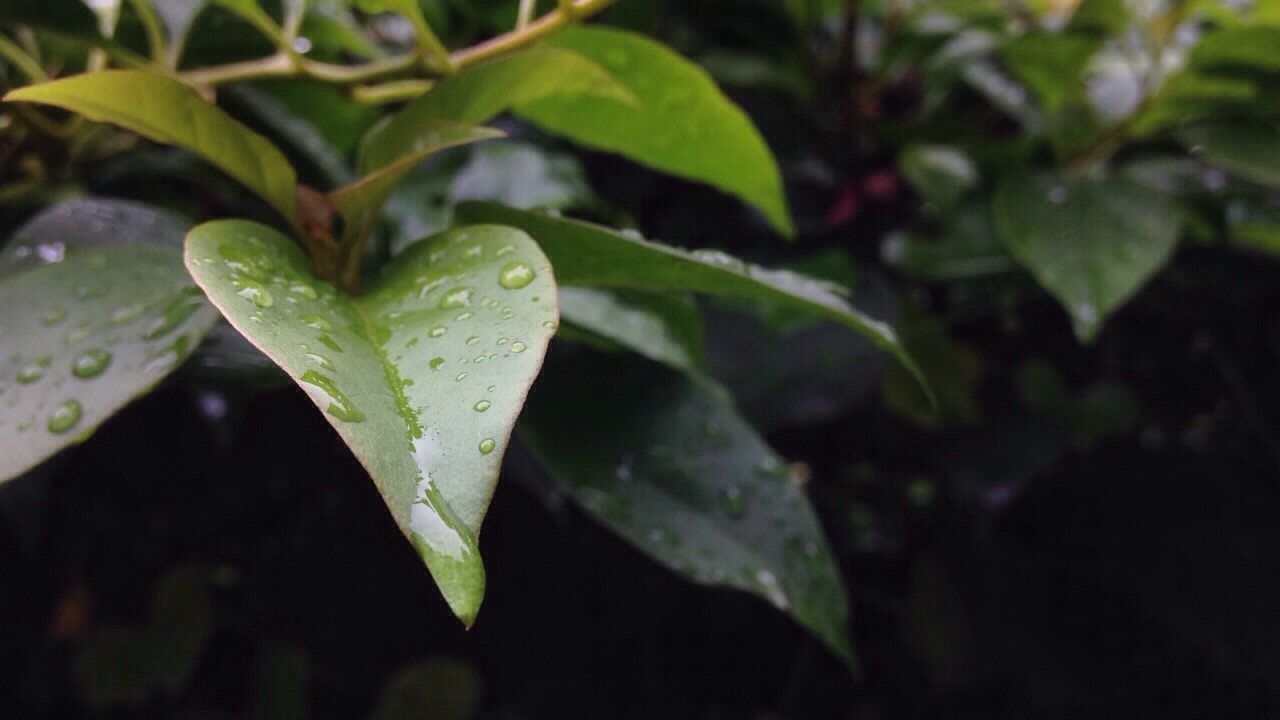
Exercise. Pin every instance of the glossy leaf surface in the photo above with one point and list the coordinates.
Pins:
(667, 463)
(593, 256)
(81, 337)
(663, 328)
(1090, 241)
(1250, 150)
(168, 111)
(684, 124)
(422, 377)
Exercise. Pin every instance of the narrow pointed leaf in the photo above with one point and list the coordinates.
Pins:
(684, 124)
(593, 256)
(666, 462)
(82, 336)
(422, 377)
(480, 93)
(1092, 242)
(360, 202)
(167, 111)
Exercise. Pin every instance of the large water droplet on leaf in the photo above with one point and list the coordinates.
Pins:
(65, 417)
(515, 275)
(90, 363)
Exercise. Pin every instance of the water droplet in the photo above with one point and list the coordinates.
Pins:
(550, 325)
(1058, 194)
(301, 45)
(506, 250)
(436, 362)
(518, 347)
(473, 339)
(65, 417)
(254, 291)
(460, 377)
(487, 445)
(515, 275)
(90, 363)
(173, 315)
(437, 331)
(315, 322)
(329, 343)
(32, 371)
(339, 406)
(53, 316)
(320, 360)
(127, 313)
(456, 298)
(769, 584)
(464, 316)
(735, 505)
(304, 290)
(481, 406)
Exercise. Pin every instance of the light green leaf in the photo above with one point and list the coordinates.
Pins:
(666, 462)
(1251, 47)
(422, 376)
(167, 111)
(1248, 149)
(361, 202)
(684, 124)
(593, 256)
(663, 328)
(480, 93)
(81, 337)
(1090, 241)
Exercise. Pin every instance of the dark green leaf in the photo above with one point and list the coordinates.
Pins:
(665, 461)
(663, 328)
(594, 256)
(1090, 241)
(1248, 149)
(422, 377)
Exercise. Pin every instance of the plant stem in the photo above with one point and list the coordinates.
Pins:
(24, 63)
(565, 12)
(392, 91)
(525, 14)
(151, 27)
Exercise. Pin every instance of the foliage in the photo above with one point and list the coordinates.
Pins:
(421, 212)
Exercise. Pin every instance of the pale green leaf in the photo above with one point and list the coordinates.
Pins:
(422, 376)
(1092, 242)
(684, 124)
(81, 337)
(167, 111)
(665, 461)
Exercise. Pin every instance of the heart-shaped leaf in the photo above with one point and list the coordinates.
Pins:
(666, 462)
(81, 337)
(167, 111)
(593, 256)
(1090, 241)
(423, 376)
(684, 124)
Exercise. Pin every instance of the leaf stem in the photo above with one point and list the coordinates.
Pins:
(24, 63)
(391, 91)
(151, 28)
(525, 13)
(566, 12)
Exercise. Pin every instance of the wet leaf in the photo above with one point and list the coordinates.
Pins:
(422, 376)
(167, 111)
(594, 256)
(83, 335)
(1090, 241)
(665, 461)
